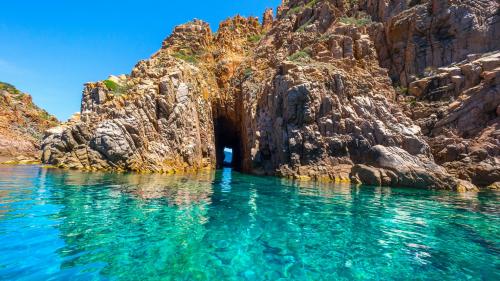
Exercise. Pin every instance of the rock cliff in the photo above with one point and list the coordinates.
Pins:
(458, 109)
(22, 125)
(443, 57)
(306, 95)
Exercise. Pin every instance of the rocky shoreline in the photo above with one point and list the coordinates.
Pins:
(346, 91)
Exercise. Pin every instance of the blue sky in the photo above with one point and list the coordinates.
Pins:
(50, 48)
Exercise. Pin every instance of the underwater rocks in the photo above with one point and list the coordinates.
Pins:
(300, 96)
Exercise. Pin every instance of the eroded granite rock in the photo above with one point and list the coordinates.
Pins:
(457, 109)
(301, 96)
(393, 166)
(414, 37)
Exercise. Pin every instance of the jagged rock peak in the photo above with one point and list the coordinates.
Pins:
(196, 34)
(268, 19)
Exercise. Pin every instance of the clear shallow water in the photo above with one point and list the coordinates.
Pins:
(65, 225)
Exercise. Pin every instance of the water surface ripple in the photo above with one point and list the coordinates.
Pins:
(68, 225)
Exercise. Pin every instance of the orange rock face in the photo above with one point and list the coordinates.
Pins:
(22, 124)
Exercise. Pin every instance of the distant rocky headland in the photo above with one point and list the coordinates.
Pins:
(397, 93)
(22, 126)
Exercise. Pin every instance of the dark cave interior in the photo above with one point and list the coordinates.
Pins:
(227, 137)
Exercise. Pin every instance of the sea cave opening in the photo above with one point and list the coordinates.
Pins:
(227, 144)
(228, 157)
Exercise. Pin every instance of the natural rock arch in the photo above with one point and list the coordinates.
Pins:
(227, 135)
(302, 96)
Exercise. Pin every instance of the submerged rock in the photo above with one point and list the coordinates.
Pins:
(300, 96)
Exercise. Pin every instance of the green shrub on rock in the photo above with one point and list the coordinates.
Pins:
(300, 55)
(9, 88)
(115, 88)
(186, 56)
(362, 21)
(255, 38)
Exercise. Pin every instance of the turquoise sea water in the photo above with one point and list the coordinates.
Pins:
(68, 225)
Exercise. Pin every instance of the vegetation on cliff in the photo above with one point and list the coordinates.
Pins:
(22, 123)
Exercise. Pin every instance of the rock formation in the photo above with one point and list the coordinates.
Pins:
(412, 36)
(444, 56)
(22, 125)
(305, 95)
(458, 109)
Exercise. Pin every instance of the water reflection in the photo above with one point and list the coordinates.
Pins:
(176, 189)
(106, 230)
(226, 180)
(17, 185)
(230, 226)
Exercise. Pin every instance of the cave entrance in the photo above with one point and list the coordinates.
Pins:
(227, 144)
(228, 157)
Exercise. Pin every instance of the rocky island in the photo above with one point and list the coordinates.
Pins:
(326, 140)
(397, 93)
